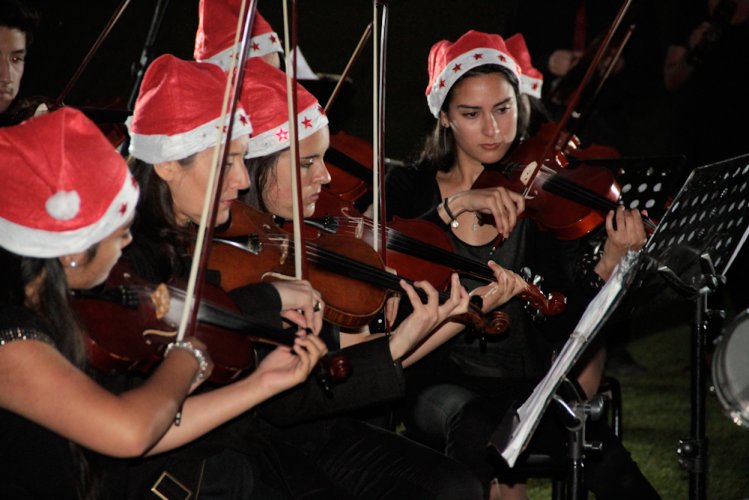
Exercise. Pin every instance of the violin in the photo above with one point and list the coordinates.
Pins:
(347, 271)
(349, 160)
(569, 202)
(147, 317)
(420, 250)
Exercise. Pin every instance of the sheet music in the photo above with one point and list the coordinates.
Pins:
(596, 314)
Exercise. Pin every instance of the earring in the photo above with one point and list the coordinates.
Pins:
(73, 264)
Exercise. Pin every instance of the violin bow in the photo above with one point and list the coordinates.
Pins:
(607, 73)
(349, 65)
(290, 40)
(208, 215)
(147, 53)
(378, 126)
(574, 100)
(94, 48)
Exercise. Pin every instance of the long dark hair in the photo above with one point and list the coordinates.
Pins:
(261, 172)
(160, 244)
(52, 309)
(439, 150)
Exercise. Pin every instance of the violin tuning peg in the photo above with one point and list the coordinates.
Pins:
(526, 274)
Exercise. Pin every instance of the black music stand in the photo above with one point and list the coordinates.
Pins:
(647, 182)
(692, 249)
(514, 432)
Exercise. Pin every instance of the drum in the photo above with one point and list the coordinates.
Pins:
(731, 370)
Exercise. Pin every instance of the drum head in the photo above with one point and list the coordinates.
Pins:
(731, 370)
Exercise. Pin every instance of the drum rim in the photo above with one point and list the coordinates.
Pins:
(731, 408)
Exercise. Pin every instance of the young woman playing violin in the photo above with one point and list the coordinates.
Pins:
(62, 228)
(286, 449)
(460, 395)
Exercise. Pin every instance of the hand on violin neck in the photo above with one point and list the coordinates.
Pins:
(286, 367)
(426, 316)
(506, 285)
(624, 231)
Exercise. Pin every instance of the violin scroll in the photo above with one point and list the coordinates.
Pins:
(538, 304)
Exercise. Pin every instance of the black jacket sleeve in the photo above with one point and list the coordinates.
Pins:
(375, 378)
(259, 301)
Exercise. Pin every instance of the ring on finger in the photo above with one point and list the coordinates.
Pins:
(317, 307)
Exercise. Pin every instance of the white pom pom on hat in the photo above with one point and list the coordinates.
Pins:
(65, 187)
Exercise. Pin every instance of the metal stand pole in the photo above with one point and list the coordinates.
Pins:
(693, 452)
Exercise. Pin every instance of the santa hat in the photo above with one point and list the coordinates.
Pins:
(64, 186)
(450, 61)
(217, 26)
(178, 111)
(531, 79)
(264, 95)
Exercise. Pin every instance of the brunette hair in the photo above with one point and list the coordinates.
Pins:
(52, 309)
(438, 152)
(261, 173)
(160, 244)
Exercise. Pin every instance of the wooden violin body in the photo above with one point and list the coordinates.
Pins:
(420, 250)
(129, 322)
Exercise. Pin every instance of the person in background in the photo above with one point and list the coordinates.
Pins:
(17, 26)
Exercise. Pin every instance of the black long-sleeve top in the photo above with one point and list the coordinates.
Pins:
(525, 350)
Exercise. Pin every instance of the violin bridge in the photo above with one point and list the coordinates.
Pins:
(161, 301)
(527, 174)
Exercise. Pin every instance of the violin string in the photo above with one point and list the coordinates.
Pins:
(340, 264)
(562, 186)
(406, 244)
(565, 187)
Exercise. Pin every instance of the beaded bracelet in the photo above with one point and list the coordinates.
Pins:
(453, 221)
(197, 353)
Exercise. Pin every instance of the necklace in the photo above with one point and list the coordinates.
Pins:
(477, 221)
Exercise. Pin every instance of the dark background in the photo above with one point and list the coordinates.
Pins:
(328, 33)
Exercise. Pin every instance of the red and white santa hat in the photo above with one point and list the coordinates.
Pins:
(531, 79)
(217, 26)
(64, 188)
(264, 95)
(449, 61)
(178, 111)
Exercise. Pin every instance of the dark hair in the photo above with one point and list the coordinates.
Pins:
(261, 173)
(14, 14)
(53, 311)
(160, 243)
(438, 152)
(52, 308)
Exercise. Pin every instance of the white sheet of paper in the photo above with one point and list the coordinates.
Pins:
(599, 309)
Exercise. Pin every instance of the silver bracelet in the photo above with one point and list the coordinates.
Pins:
(197, 353)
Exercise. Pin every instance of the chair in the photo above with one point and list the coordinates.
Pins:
(565, 481)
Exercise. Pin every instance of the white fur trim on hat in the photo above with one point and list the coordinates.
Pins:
(459, 66)
(531, 86)
(260, 46)
(277, 139)
(158, 148)
(32, 242)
